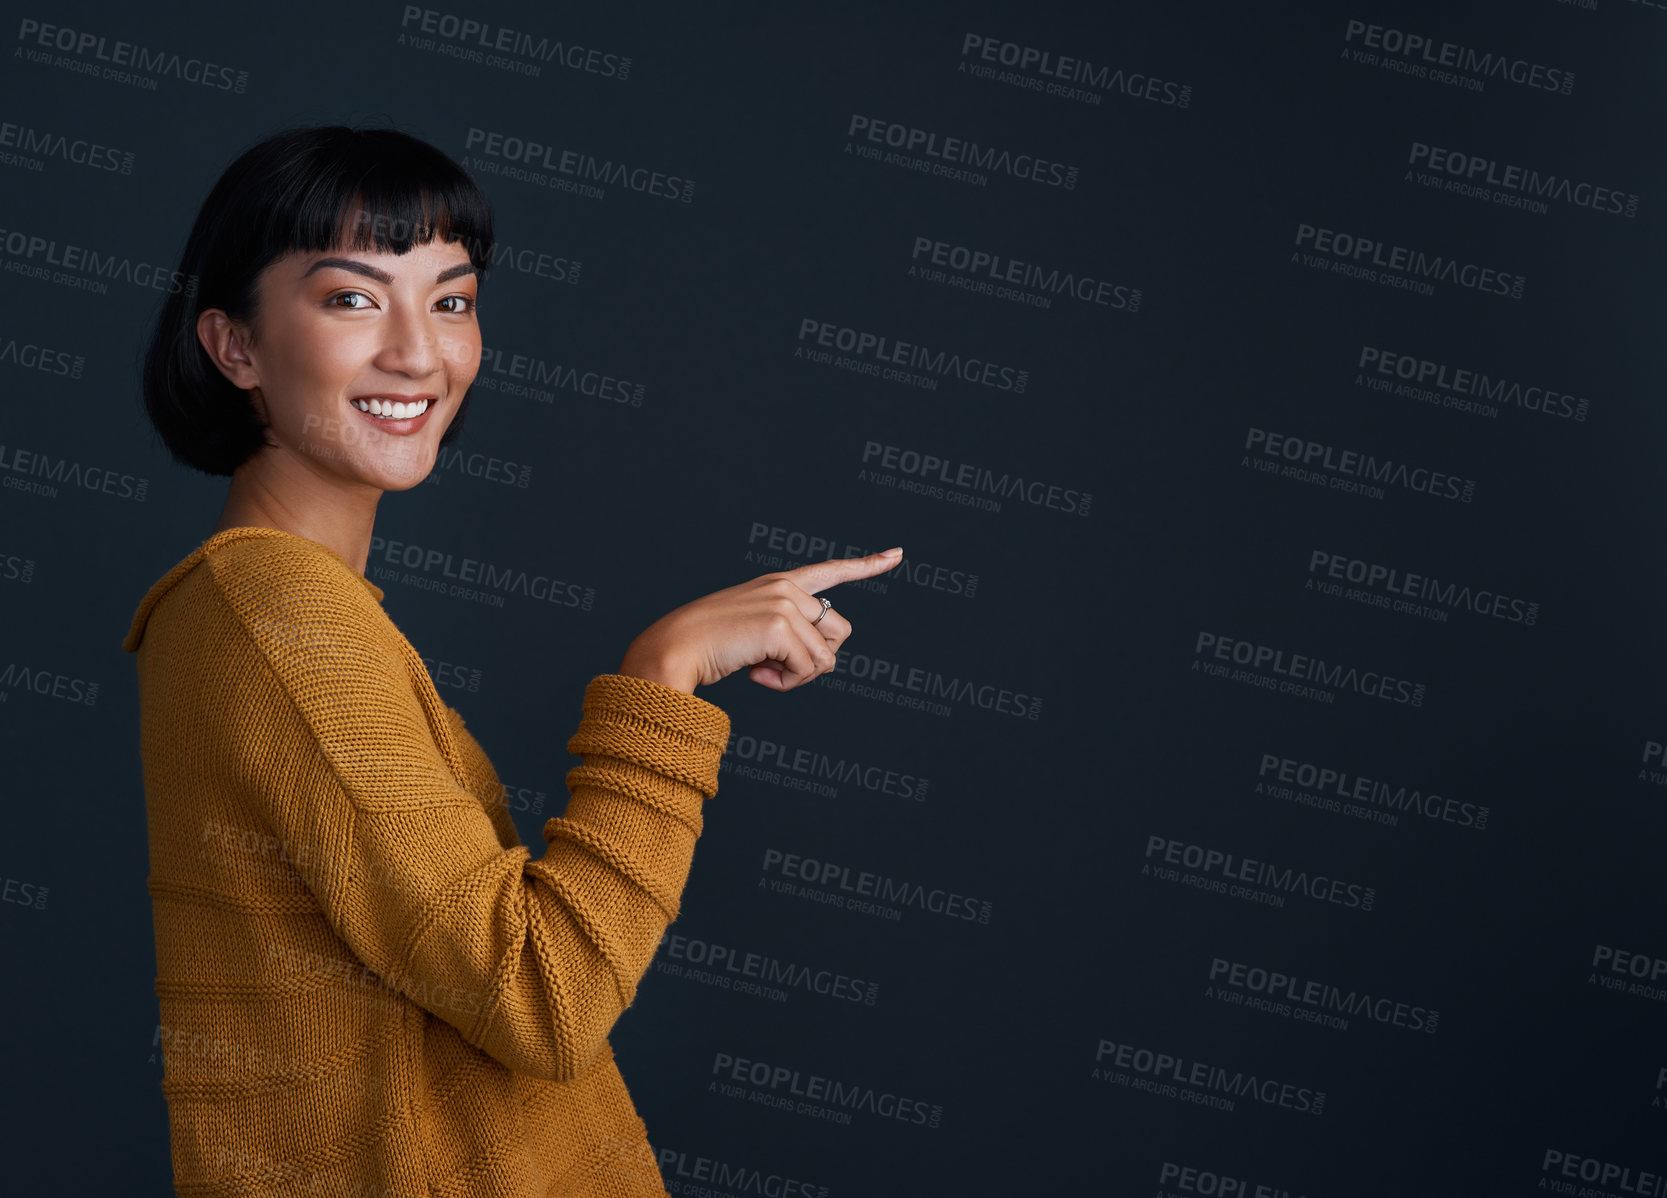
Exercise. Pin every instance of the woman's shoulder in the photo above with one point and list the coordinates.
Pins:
(268, 577)
(266, 561)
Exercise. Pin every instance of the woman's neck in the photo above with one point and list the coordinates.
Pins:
(339, 517)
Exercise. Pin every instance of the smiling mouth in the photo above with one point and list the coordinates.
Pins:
(390, 409)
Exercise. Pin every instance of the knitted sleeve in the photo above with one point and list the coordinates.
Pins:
(354, 763)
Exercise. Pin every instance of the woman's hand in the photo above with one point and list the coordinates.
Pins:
(765, 624)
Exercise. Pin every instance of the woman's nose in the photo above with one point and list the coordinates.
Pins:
(411, 344)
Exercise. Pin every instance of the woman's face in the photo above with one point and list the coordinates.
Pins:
(340, 332)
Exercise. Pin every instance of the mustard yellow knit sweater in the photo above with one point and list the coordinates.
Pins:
(368, 986)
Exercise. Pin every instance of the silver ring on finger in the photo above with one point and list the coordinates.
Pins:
(827, 606)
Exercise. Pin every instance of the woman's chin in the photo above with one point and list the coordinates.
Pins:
(406, 467)
(403, 480)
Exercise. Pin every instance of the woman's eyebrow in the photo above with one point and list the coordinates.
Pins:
(382, 276)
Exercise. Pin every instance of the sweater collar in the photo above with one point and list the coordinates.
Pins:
(227, 536)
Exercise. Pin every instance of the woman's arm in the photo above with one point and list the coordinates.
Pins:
(350, 758)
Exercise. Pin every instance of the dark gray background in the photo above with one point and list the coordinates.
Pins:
(1046, 819)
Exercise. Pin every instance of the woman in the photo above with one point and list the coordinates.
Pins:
(367, 984)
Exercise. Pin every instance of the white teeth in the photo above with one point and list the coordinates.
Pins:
(389, 408)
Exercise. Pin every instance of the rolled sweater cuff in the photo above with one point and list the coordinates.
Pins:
(655, 726)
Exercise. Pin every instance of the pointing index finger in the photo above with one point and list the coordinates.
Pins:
(819, 576)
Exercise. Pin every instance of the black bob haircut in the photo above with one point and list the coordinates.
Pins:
(308, 189)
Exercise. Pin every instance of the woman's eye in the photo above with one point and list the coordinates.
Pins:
(463, 303)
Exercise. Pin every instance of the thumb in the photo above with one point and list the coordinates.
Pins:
(819, 576)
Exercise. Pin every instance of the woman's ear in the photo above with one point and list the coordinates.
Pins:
(225, 342)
